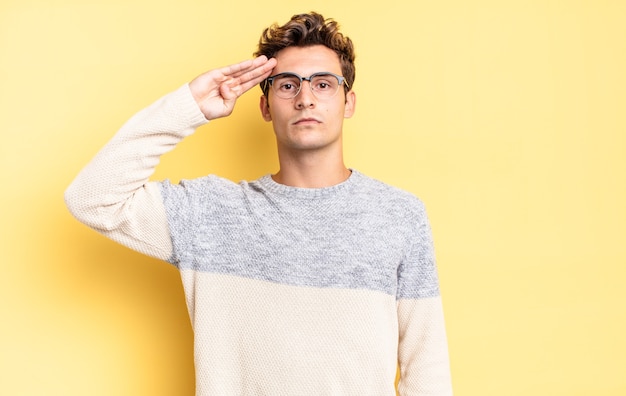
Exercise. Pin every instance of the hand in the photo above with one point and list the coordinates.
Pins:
(216, 91)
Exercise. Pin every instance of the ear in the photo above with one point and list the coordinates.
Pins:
(350, 104)
(265, 108)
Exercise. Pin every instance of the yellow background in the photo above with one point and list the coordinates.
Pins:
(508, 118)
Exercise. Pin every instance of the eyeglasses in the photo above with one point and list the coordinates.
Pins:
(324, 85)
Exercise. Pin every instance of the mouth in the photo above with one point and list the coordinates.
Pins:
(307, 121)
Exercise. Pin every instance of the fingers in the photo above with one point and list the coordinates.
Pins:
(217, 90)
(245, 75)
(246, 66)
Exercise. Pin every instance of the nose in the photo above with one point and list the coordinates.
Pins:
(305, 98)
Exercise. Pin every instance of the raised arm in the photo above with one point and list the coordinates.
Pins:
(112, 193)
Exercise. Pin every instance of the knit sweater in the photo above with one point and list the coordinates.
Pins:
(291, 291)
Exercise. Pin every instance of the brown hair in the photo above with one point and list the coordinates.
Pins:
(305, 30)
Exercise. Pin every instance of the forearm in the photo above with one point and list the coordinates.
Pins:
(423, 348)
(112, 193)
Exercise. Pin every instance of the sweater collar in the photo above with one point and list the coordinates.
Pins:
(268, 184)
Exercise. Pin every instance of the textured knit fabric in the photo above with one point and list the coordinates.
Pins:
(360, 234)
(291, 291)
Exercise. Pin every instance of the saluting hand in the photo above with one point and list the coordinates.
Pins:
(216, 91)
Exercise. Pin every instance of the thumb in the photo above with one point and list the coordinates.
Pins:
(229, 91)
(230, 94)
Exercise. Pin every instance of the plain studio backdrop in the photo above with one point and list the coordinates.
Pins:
(507, 118)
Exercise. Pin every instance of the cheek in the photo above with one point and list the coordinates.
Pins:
(278, 109)
(338, 111)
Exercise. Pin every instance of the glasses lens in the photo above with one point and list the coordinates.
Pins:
(286, 85)
(325, 85)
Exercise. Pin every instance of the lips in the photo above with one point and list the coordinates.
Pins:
(307, 120)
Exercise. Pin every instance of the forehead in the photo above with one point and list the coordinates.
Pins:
(307, 60)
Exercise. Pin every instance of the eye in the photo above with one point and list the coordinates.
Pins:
(325, 83)
(287, 83)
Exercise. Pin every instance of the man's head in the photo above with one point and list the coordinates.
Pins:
(306, 30)
(305, 103)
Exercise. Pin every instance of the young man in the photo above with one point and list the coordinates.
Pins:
(316, 280)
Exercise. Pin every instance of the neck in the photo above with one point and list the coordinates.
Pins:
(311, 171)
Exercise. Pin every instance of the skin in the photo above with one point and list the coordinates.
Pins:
(216, 91)
(308, 130)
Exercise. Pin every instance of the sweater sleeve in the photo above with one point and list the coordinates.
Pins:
(422, 343)
(113, 194)
(423, 349)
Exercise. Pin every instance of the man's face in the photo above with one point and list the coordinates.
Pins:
(307, 122)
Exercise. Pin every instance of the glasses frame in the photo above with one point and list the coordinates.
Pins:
(269, 82)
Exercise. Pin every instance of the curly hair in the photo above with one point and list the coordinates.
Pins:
(305, 30)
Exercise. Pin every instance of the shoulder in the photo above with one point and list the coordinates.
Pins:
(388, 196)
(210, 186)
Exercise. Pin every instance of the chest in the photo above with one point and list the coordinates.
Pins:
(310, 246)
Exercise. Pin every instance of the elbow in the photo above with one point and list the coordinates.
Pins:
(84, 206)
(95, 209)
(77, 202)
(73, 201)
